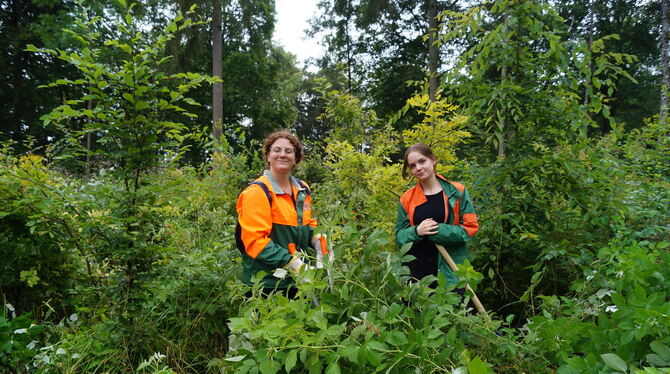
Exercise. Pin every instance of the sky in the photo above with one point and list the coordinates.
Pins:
(292, 16)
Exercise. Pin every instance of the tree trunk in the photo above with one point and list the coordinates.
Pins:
(665, 36)
(433, 55)
(88, 143)
(503, 124)
(217, 71)
(350, 55)
(503, 76)
(591, 25)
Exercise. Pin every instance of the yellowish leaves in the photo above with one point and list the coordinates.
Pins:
(440, 129)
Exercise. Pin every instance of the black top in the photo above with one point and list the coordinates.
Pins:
(424, 250)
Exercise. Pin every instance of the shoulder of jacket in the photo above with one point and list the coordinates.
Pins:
(406, 197)
(459, 186)
(254, 189)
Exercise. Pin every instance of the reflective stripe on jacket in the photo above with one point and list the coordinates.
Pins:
(461, 225)
(271, 233)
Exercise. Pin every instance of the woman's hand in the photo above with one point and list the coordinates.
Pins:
(427, 227)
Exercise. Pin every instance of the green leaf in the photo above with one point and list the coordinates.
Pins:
(661, 349)
(350, 352)
(477, 366)
(291, 359)
(397, 338)
(235, 359)
(655, 360)
(141, 105)
(372, 357)
(269, 366)
(333, 368)
(613, 361)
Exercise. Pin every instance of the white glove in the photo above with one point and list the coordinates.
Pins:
(319, 242)
(316, 243)
(280, 273)
(295, 265)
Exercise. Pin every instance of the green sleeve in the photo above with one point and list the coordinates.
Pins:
(404, 232)
(449, 234)
(274, 256)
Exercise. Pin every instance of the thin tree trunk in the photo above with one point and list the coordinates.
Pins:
(591, 25)
(503, 75)
(88, 143)
(503, 124)
(665, 69)
(217, 71)
(433, 55)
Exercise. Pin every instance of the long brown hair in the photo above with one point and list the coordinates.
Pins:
(267, 144)
(416, 147)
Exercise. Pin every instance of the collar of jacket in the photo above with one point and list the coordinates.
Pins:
(275, 185)
(415, 197)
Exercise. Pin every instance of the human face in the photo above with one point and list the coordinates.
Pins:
(422, 167)
(281, 157)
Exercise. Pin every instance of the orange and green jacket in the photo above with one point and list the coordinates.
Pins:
(460, 227)
(271, 233)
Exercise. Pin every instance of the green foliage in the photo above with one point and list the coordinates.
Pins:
(543, 213)
(130, 105)
(521, 81)
(134, 268)
(440, 128)
(365, 321)
(618, 317)
(36, 266)
(18, 340)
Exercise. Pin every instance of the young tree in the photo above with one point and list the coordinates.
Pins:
(637, 26)
(519, 78)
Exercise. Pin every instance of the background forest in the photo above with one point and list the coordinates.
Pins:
(129, 129)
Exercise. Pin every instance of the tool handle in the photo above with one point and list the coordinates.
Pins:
(454, 267)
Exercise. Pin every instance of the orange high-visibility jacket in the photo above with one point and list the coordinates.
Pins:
(271, 233)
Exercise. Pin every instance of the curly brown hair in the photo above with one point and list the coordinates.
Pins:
(416, 147)
(267, 144)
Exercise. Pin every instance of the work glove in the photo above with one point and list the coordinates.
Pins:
(295, 266)
(320, 244)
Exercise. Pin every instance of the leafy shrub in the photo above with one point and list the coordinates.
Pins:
(543, 212)
(366, 321)
(19, 340)
(619, 318)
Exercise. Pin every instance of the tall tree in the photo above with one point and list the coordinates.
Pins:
(665, 69)
(433, 49)
(636, 23)
(217, 71)
(251, 67)
(383, 47)
(25, 22)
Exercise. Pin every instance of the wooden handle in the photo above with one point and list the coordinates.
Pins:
(454, 267)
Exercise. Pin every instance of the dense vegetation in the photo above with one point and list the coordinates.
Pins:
(117, 207)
